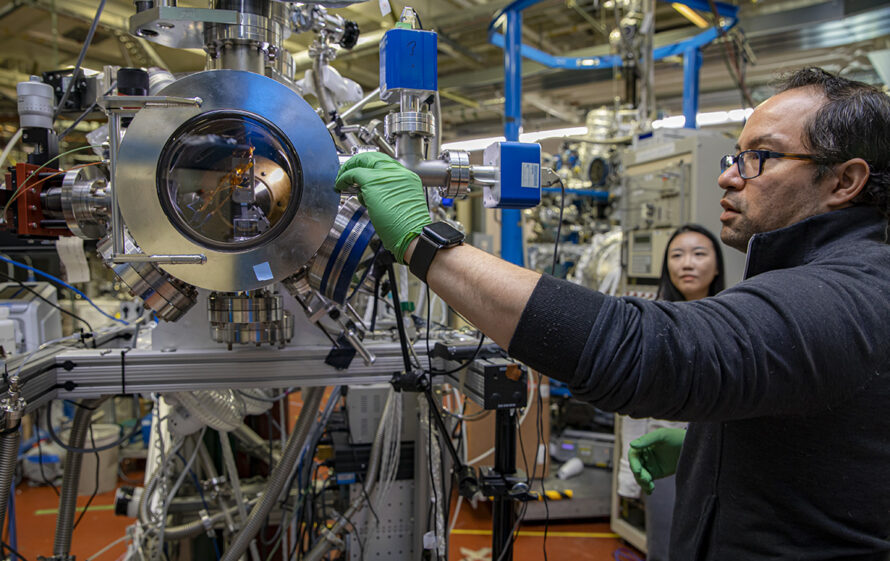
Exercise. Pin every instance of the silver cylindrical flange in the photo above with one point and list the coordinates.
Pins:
(458, 179)
(35, 103)
(415, 123)
(256, 318)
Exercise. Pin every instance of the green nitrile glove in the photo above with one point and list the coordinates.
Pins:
(655, 455)
(393, 195)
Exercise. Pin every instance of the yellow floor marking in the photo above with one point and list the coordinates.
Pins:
(46, 511)
(537, 533)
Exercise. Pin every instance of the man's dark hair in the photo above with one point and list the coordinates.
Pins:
(853, 123)
(666, 289)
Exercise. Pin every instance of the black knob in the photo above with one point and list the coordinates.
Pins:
(142, 5)
(132, 81)
(350, 35)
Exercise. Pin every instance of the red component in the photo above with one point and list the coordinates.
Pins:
(26, 212)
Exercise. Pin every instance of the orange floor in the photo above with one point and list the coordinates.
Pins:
(470, 541)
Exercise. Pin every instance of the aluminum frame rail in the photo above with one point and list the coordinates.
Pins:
(82, 373)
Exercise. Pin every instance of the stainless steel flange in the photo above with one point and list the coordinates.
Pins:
(414, 123)
(256, 318)
(169, 298)
(457, 184)
(346, 255)
(85, 200)
(247, 180)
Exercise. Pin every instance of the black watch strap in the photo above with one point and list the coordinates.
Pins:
(433, 238)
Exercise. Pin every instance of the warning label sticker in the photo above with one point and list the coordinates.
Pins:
(531, 175)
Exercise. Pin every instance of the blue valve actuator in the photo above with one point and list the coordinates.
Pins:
(408, 62)
(518, 181)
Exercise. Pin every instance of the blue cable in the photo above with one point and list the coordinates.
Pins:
(204, 502)
(63, 283)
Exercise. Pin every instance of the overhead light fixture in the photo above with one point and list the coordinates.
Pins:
(691, 15)
(705, 119)
(483, 143)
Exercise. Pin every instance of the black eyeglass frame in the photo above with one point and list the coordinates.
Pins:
(730, 160)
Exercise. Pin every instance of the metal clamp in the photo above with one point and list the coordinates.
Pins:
(131, 103)
(415, 123)
(457, 183)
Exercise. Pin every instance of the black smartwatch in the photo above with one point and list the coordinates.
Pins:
(436, 236)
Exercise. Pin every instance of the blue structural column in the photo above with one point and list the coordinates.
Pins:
(692, 60)
(511, 229)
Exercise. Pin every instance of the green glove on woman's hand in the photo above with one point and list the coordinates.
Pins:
(392, 194)
(655, 455)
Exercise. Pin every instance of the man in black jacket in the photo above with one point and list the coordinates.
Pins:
(785, 377)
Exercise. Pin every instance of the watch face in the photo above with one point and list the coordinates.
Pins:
(443, 233)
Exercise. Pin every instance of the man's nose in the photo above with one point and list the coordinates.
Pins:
(731, 179)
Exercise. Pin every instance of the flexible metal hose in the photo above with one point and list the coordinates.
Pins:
(306, 420)
(218, 409)
(255, 401)
(9, 452)
(324, 545)
(197, 527)
(68, 495)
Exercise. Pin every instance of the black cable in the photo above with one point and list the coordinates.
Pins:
(80, 57)
(86, 113)
(137, 428)
(40, 455)
(56, 306)
(96, 489)
(429, 420)
(540, 442)
(735, 73)
(376, 300)
(400, 323)
(466, 363)
(562, 205)
(16, 553)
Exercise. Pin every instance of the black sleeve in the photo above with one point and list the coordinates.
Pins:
(791, 341)
(554, 327)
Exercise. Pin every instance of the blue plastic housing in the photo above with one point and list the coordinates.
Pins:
(519, 180)
(408, 61)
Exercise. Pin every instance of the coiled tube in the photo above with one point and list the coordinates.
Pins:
(306, 420)
(68, 495)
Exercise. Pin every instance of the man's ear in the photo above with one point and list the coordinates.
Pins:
(852, 176)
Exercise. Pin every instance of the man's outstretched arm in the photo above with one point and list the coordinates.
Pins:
(486, 290)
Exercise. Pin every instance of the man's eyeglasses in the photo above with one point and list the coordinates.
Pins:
(751, 161)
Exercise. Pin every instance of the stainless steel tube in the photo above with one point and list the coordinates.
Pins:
(242, 57)
(68, 495)
(9, 452)
(324, 546)
(305, 422)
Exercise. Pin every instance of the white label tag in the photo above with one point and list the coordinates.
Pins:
(263, 271)
(385, 8)
(70, 249)
(531, 175)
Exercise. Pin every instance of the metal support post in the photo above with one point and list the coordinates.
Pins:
(503, 512)
(692, 61)
(511, 229)
(117, 222)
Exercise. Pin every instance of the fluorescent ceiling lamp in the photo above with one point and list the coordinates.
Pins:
(473, 144)
(691, 15)
(705, 119)
(675, 122)
(483, 143)
(555, 133)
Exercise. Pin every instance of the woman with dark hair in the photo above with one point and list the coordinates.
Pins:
(692, 269)
(692, 266)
